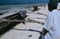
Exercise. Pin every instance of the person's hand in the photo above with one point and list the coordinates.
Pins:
(41, 36)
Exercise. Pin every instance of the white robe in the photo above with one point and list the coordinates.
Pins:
(52, 24)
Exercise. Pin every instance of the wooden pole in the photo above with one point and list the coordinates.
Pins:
(29, 20)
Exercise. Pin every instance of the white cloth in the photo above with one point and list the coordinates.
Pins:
(52, 24)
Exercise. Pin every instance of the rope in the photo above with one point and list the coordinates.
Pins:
(38, 13)
(27, 30)
(29, 20)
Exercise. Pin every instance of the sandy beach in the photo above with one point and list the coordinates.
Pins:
(21, 34)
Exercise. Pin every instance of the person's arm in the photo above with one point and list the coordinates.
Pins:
(46, 26)
(44, 32)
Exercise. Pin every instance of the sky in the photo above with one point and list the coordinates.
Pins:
(22, 1)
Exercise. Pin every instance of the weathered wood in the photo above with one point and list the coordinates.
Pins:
(39, 13)
(6, 26)
(29, 20)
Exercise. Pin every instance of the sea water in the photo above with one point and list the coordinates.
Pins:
(5, 8)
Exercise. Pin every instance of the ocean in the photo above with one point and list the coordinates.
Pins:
(4, 8)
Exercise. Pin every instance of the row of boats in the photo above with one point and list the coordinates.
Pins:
(12, 27)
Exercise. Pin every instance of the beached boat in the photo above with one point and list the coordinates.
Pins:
(5, 26)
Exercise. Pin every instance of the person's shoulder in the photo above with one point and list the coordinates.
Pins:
(54, 12)
(51, 14)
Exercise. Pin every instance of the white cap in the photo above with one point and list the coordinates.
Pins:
(58, 7)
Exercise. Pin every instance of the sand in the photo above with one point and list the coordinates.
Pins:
(17, 34)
